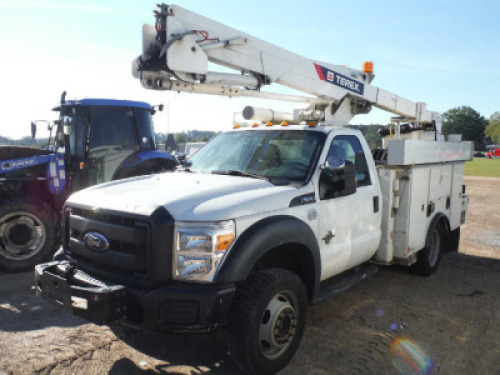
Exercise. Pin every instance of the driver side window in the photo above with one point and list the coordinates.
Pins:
(348, 148)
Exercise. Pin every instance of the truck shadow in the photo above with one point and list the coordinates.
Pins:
(125, 366)
(354, 327)
(448, 260)
(21, 310)
(176, 354)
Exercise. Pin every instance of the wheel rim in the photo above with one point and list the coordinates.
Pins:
(278, 325)
(434, 248)
(22, 235)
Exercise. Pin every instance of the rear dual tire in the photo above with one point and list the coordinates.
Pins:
(454, 240)
(429, 257)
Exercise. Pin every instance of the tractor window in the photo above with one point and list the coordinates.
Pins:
(112, 127)
(145, 129)
(77, 137)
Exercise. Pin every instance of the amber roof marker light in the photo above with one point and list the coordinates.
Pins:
(368, 67)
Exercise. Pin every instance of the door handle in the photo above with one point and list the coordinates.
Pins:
(329, 235)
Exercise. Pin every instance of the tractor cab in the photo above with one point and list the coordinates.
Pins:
(106, 139)
(93, 141)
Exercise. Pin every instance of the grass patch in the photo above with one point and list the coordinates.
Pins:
(483, 167)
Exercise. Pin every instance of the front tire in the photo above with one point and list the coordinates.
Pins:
(267, 321)
(28, 235)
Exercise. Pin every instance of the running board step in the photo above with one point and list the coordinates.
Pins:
(345, 280)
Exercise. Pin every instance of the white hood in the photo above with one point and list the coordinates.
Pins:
(189, 196)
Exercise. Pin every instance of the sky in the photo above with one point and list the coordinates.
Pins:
(443, 52)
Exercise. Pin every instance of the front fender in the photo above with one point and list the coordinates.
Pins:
(144, 162)
(263, 237)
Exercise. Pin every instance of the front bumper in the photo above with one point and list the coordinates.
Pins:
(176, 307)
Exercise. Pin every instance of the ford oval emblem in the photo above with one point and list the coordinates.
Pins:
(96, 241)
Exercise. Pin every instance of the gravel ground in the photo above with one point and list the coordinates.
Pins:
(449, 321)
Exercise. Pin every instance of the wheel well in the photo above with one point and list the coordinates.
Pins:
(293, 257)
(34, 192)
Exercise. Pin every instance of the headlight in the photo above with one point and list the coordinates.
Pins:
(199, 249)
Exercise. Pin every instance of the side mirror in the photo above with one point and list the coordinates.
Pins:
(158, 107)
(337, 179)
(181, 158)
(67, 125)
(33, 130)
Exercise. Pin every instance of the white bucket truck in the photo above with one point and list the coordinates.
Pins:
(264, 219)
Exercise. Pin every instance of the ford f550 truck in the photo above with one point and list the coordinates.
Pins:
(264, 219)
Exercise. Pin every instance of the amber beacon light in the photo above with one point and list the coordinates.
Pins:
(368, 67)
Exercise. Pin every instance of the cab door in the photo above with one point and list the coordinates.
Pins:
(349, 228)
(78, 142)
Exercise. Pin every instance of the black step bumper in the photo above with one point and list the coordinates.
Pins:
(176, 307)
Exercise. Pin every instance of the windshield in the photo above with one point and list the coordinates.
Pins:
(275, 154)
(112, 127)
(112, 140)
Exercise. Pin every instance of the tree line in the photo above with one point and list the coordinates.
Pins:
(473, 127)
(462, 120)
(188, 136)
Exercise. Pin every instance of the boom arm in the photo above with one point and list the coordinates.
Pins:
(178, 49)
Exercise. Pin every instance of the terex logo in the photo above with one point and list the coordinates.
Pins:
(340, 80)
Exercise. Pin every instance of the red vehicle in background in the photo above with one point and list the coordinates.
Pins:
(493, 154)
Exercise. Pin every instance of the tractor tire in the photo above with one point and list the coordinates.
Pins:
(267, 321)
(29, 235)
(429, 257)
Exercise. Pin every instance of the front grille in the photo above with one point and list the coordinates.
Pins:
(139, 252)
(128, 238)
(104, 216)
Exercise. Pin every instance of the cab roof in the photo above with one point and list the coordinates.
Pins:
(321, 128)
(105, 102)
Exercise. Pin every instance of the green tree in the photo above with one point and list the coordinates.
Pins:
(493, 129)
(468, 122)
(371, 134)
(180, 137)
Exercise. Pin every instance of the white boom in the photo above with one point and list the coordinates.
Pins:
(178, 49)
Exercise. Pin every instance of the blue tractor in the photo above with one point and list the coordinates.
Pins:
(94, 141)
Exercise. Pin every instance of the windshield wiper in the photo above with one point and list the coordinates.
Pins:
(184, 168)
(234, 172)
(273, 180)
